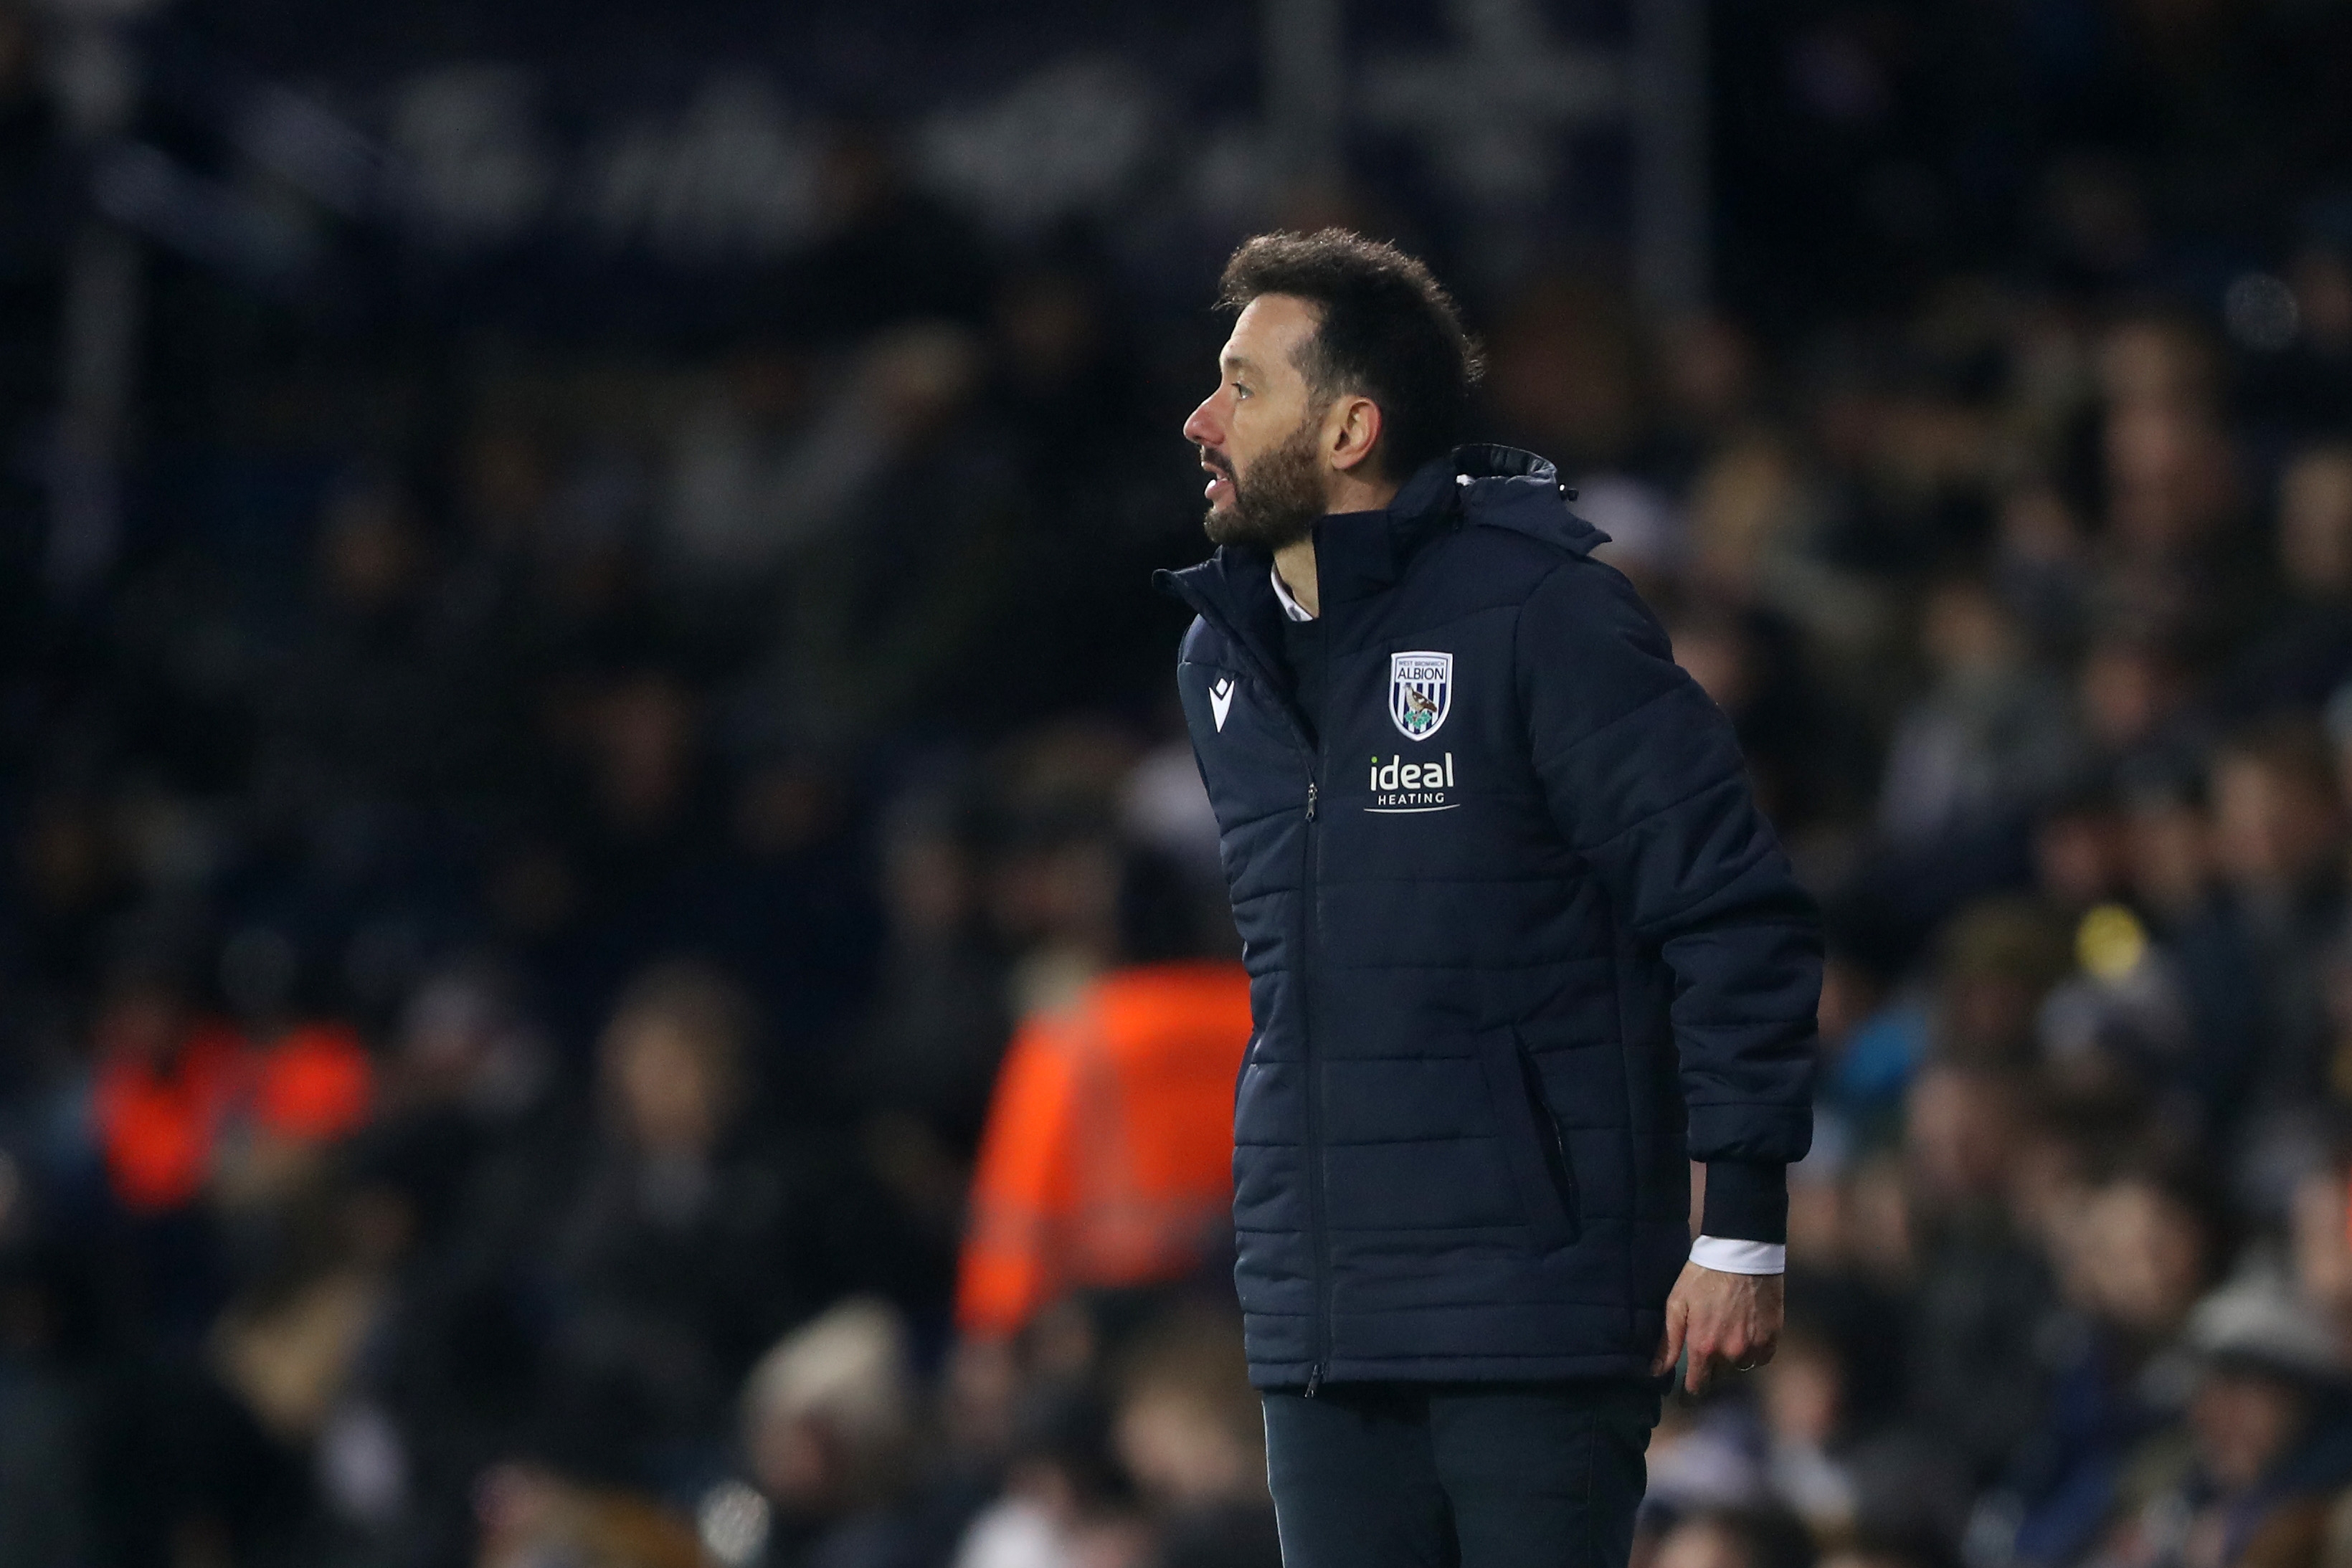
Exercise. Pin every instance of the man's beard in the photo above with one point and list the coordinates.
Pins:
(1279, 500)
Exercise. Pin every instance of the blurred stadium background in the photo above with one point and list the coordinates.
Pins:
(576, 665)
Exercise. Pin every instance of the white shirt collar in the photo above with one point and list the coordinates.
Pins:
(1290, 606)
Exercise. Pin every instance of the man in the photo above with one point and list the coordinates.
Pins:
(1521, 947)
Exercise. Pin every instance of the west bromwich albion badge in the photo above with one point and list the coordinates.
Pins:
(1421, 692)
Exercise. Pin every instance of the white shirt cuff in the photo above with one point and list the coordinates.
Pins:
(1739, 1257)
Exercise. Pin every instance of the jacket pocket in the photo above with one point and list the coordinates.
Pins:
(1532, 1137)
(1553, 1139)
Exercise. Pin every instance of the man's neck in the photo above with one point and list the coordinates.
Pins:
(1296, 562)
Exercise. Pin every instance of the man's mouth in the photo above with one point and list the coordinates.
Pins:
(1218, 473)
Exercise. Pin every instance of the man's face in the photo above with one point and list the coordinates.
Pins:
(1260, 433)
(2244, 1423)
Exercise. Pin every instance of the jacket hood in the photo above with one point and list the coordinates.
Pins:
(1504, 488)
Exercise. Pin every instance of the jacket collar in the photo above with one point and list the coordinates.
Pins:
(1357, 554)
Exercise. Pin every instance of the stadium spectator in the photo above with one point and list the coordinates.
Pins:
(2270, 1447)
(831, 1424)
(1107, 1158)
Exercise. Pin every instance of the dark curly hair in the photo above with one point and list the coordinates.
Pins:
(1387, 329)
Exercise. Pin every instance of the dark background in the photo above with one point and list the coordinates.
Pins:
(496, 501)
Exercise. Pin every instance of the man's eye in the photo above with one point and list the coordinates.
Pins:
(1240, 391)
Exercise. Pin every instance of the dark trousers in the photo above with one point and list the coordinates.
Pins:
(1459, 1475)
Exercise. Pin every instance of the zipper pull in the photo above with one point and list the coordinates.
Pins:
(1312, 791)
(1314, 1379)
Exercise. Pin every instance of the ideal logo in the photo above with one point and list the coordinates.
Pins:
(1403, 789)
(1421, 692)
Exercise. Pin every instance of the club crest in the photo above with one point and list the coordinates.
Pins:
(1421, 692)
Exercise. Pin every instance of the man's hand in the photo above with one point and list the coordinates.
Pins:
(1726, 1320)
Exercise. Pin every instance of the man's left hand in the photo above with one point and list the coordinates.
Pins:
(1724, 1320)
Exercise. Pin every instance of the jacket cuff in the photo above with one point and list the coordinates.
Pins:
(1747, 1200)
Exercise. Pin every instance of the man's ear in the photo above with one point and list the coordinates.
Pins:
(1351, 431)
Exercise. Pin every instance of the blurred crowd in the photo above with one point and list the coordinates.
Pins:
(522, 877)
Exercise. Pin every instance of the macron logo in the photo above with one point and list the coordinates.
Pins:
(1221, 701)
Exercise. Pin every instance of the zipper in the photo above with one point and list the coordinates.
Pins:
(1316, 1242)
(1312, 751)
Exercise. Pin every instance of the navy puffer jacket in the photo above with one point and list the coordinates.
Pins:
(1520, 944)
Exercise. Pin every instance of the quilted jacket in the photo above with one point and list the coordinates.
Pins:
(1520, 943)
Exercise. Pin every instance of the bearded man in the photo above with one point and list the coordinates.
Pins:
(1521, 947)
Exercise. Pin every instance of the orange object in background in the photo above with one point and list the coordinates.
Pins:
(161, 1119)
(1107, 1156)
(157, 1120)
(314, 1082)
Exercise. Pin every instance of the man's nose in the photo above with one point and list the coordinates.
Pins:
(1200, 429)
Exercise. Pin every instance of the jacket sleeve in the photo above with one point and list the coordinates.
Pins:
(1645, 781)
